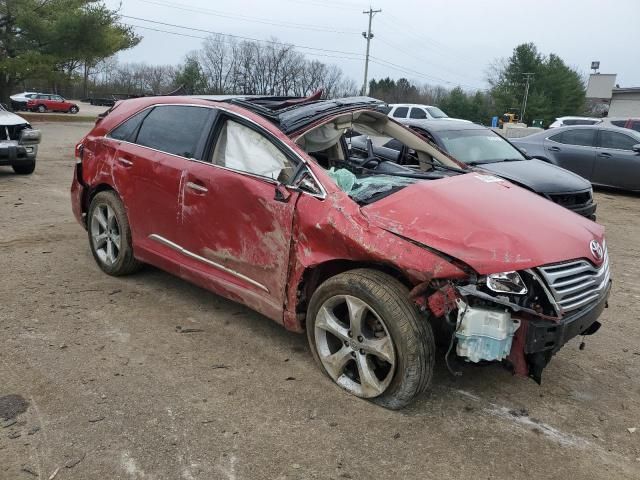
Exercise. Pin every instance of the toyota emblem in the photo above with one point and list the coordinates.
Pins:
(596, 250)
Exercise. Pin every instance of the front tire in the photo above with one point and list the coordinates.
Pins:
(73, 110)
(110, 235)
(25, 168)
(370, 339)
(42, 108)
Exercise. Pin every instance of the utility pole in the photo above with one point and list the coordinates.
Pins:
(368, 36)
(527, 76)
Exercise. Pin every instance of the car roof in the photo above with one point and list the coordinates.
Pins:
(599, 126)
(610, 119)
(294, 113)
(409, 105)
(444, 124)
(570, 117)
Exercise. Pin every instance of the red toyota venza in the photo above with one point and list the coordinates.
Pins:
(262, 201)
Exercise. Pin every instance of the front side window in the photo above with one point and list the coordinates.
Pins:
(401, 112)
(418, 113)
(616, 140)
(174, 129)
(241, 148)
(583, 137)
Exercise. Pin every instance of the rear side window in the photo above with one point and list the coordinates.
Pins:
(619, 123)
(569, 122)
(418, 113)
(583, 137)
(174, 129)
(401, 112)
(616, 140)
(126, 131)
(635, 125)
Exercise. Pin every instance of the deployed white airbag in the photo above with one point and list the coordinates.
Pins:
(244, 149)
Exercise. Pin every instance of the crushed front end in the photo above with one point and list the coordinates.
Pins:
(520, 318)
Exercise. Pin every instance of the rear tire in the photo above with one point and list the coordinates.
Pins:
(110, 235)
(338, 347)
(42, 108)
(25, 168)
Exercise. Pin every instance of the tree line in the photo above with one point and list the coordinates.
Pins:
(555, 90)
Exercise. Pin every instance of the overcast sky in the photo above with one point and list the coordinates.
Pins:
(447, 42)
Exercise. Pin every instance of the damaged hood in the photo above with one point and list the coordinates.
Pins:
(539, 176)
(9, 119)
(486, 222)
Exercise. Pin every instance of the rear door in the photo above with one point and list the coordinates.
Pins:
(237, 217)
(616, 163)
(573, 149)
(153, 151)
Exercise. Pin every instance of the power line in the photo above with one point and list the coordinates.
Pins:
(180, 34)
(246, 18)
(437, 47)
(325, 51)
(408, 54)
(211, 32)
(409, 71)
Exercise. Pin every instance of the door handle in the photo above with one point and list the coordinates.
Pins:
(604, 155)
(198, 188)
(554, 149)
(125, 162)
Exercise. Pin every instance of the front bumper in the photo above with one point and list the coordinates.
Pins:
(12, 153)
(544, 338)
(588, 210)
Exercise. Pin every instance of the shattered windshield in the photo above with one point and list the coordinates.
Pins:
(369, 156)
(364, 189)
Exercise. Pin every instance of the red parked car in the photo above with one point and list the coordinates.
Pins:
(51, 103)
(262, 201)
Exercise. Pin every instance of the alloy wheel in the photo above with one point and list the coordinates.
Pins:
(354, 346)
(105, 234)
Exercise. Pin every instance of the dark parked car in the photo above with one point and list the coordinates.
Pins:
(482, 148)
(260, 201)
(605, 155)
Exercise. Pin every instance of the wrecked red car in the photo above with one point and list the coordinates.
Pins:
(262, 201)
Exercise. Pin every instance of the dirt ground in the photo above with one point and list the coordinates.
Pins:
(97, 382)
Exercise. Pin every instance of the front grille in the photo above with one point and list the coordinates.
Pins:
(12, 132)
(572, 200)
(577, 283)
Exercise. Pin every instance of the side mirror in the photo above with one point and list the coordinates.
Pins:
(29, 136)
(636, 148)
(307, 183)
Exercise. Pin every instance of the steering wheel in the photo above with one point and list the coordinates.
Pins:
(371, 161)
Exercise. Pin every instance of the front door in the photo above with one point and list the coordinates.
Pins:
(237, 216)
(617, 165)
(573, 149)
